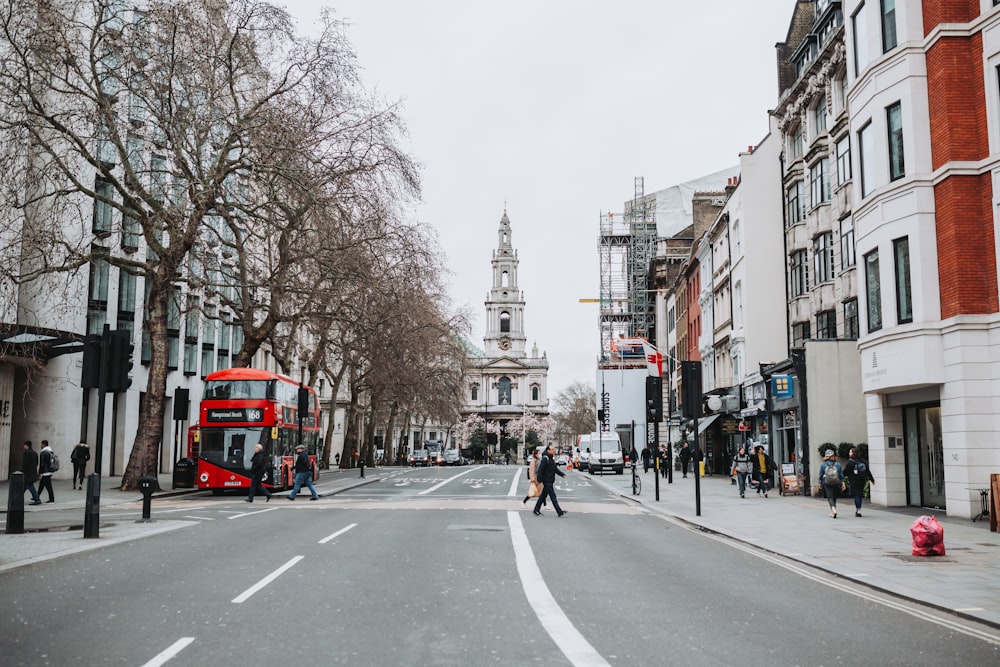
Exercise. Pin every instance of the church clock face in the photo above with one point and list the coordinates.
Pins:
(504, 343)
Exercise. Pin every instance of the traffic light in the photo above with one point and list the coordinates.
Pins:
(120, 350)
(303, 402)
(691, 389)
(90, 376)
(654, 400)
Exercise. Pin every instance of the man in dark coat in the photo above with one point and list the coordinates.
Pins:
(258, 466)
(685, 456)
(29, 466)
(857, 473)
(303, 474)
(547, 471)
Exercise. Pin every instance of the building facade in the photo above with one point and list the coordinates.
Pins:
(923, 81)
(505, 381)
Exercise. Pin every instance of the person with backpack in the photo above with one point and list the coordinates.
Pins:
(857, 473)
(832, 477)
(47, 464)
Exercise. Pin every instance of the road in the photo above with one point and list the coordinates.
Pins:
(445, 566)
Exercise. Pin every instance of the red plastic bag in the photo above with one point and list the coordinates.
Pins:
(928, 536)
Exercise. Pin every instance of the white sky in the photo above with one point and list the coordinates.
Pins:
(554, 107)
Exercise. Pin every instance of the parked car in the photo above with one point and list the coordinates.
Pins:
(419, 457)
(451, 457)
(562, 459)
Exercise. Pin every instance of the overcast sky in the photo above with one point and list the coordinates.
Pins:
(553, 107)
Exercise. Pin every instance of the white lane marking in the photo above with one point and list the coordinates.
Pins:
(337, 534)
(513, 483)
(170, 652)
(240, 516)
(245, 595)
(450, 479)
(200, 518)
(569, 640)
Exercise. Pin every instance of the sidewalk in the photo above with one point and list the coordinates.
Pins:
(874, 550)
(53, 530)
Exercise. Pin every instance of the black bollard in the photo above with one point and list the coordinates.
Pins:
(15, 504)
(147, 485)
(92, 507)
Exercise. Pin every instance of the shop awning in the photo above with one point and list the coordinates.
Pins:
(27, 342)
(705, 423)
(752, 410)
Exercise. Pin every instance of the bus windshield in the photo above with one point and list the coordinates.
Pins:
(232, 446)
(238, 389)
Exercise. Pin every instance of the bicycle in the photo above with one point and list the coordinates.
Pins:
(636, 483)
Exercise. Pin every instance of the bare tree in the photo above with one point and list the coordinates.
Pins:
(160, 126)
(575, 410)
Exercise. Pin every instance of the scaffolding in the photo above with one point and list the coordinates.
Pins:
(627, 246)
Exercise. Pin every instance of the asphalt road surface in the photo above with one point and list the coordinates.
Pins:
(445, 566)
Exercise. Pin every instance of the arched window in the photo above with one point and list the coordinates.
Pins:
(475, 392)
(504, 278)
(503, 391)
(504, 322)
(534, 392)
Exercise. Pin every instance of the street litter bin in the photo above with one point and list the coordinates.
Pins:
(184, 472)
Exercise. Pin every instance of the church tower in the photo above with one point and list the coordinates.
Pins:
(505, 302)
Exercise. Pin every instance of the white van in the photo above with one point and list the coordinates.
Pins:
(583, 449)
(605, 453)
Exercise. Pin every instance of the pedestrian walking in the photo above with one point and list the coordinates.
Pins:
(685, 457)
(547, 471)
(361, 465)
(258, 467)
(664, 461)
(45, 471)
(29, 466)
(303, 474)
(79, 457)
(534, 487)
(336, 459)
(646, 456)
(832, 477)
(741, 468)
(857, 473)
(763, 466)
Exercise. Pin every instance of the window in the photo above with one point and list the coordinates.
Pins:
(840, 92)
(894, 126)
(534, 393)
(794, 205)
(800, 334)
(126, 300)
(795, 142)
(866, 155)
(474, 393)
(823, 257)
(819, 182)
(860, 39)
(799, 273)
(671, 319)
(844, 160)
(102, 210)
(819, 116)
(888, 25)
(503, 391)
(851, 329)
(191, 326)
(826, 324)
(904, 292)
(873, 290)
(130, 231)
(97, 302)
(504, 322)
(847, 258)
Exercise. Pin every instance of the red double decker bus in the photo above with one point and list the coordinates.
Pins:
(244, 407)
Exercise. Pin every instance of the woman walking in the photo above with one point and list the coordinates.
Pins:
(534, 488)
(832, 477)
(741, 468)
(79, 456)
(858, 474)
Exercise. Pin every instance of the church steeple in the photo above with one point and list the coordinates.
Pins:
(505, 303)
